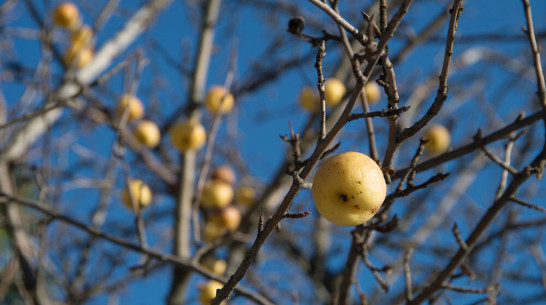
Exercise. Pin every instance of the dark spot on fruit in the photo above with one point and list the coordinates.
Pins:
(359, 182)
(344, 197)
(356, 207)
(352, 197)
(374, 210)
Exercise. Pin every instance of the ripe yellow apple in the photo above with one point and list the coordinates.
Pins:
(208, 292)
(141, 193)
(213, 264)
(373, 92)
(334, 90)
(309, 99)
(216, 194)
(348, 189)
(245, 196)
(229, 218)
(147, 133)
(212, 231)
(82, 36)
(134, 105)
(66, 15)
(188, 135)
(224, 173)
(78, 55)
(219, 99)
(438, 139)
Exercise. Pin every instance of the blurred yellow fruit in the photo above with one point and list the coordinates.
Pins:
(208, 292)
(228, 218)
(78, 55)
(66, 15)
(82, 36)
(216, 194)
(188, 135)
(348, 189)
(373, 92)
(134, 105)
(438, 139)
(216, 265)
(212, 231)
(219, 99)
(309, 99)
(245, 196)
(147, 133)
(334, 90)
(224, 173)
(141, 193)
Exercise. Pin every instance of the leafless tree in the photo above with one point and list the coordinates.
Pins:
(462, 227)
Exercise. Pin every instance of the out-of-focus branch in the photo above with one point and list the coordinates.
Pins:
(183, 262)
(186, 190)
(25, 136)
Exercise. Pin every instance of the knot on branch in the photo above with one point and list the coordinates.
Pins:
(387, 227)
(296, 25)
(296, 215)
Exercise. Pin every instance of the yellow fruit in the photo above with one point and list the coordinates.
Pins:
(82, 36)
(188, 135)
(134, 105)
(224, 173)
(66, 15)
(78, 55)
(334, 90)
(228, 218)
(219, 99)
(216, 194)
(208, 292)
(309, 99)
(216, 265)
(348, 189)
(147, 133)
(245, 196)
(373, 92)
(212, 231)
(438, 139)
(141, 193)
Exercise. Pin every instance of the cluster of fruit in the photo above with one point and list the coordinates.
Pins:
(187, 135)
(334, 91)
(218, 200)
(80, 51)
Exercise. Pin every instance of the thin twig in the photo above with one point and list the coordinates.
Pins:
(466, 289)
(407, 274)
(320, 85)
(527, 204)
(457, 235)
(492, 156)
(380, 113)
(410, 174)
(541, 84)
